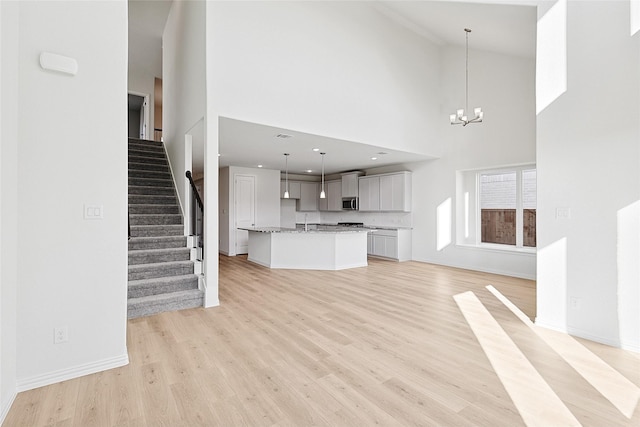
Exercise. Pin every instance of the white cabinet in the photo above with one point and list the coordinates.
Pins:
(294, 189)
(308, 196)
(395, 192)
(350, 184)
(333, 201)
(394, 244)
(369, 193)
(387, 192)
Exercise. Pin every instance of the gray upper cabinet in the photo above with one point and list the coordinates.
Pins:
(350, 184)
(309, 193)
(333, 201)
(386, 192)
(294, 189)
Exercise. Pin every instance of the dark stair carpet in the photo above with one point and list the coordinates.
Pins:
(160, 271)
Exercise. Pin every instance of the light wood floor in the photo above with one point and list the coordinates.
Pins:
(382, 345)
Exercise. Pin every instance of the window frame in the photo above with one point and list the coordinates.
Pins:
(469, 223)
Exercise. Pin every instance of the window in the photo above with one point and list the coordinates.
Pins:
(495, 209)
(507, 207)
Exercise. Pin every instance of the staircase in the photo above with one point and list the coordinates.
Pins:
(161, 274)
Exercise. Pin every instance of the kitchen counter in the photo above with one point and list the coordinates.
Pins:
(310, 229)
(318, 249)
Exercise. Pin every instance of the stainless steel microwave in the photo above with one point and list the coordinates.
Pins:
(350, 204)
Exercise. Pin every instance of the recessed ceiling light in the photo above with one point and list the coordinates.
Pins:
(259, 166)
(316, 149)
(374, 158)
(284, 136)
(309, 171)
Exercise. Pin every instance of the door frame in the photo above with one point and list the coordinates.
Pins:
(144, 118)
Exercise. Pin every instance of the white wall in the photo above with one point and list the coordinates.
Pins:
(8, 202)
(504, 87)
(588, 156)
(340, 69)
(72, 272)
(183, 56)
(267, 202)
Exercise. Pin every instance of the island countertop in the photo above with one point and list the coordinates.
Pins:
(302, 230)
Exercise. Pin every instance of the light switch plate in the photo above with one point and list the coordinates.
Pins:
(93, 212)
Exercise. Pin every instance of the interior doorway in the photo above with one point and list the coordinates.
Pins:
(138, 115)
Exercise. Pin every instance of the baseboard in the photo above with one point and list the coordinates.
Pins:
(586, 335)
(550, 326)
(6, 406)
(579, 333)
(71, 373)
(210, 298)
(483, 270)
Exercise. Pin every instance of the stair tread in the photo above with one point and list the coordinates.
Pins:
(164, 279)
(155, 238)
(158, 214)
(157, 251)
(161, 298)
(156, 265)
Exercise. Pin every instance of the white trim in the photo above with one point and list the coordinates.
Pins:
(173, 178)
(146, 118)
(483, 270)
(6, 407)
(71, 373)
(495, 247)
(209, 299)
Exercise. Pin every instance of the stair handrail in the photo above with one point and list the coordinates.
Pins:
(195, 191)
(194, 214)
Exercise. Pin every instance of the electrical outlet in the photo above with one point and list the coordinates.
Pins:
(60, 335)
(575, 303)
(563, 213)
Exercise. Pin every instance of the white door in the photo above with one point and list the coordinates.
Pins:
(245, 209)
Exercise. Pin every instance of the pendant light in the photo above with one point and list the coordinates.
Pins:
(286, 176)
(322, 193)
(460, 118)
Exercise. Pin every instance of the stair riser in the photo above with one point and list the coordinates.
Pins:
(154, 209)
(159, 271)
(146, 153)
(153, 145)
(134, 311)
(142, 160)
(157, 244)
(161, 287)
(158, 231)
(155, 219)
(148, 167)
(141, 199)
(149, 174)
(151, 191)
(147, 182)
(137, 259)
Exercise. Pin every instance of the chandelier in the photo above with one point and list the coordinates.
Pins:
(460, 117)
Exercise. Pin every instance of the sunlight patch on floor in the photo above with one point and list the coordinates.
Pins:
(534, 399)
(617, 389)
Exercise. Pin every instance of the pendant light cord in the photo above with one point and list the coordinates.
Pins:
(467, 31)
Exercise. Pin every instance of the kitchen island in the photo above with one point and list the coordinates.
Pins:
(311, 249)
